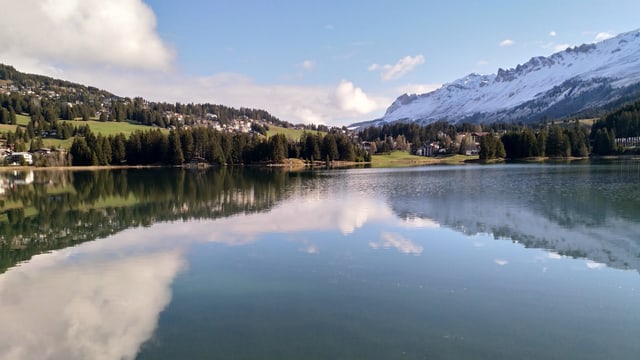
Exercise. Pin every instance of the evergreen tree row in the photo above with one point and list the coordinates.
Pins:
(206, 145)
(554, 141)
(623, 124)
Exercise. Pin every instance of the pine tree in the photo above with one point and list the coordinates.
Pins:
(558, 143)
(186, 141)
(529, 144)
(542, 142)
(278, 147)
(312, 147)
(345, 148)
(329, 148)
(106, 153)
(487, 147)
(5, 117)
(36, 143)
(500, 152)
(118, 149)
(175, 148)
(12, 117)
(80, 152)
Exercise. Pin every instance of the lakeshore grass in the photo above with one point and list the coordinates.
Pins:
(404, 159)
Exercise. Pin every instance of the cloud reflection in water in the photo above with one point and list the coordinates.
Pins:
(397, 241)
(77, 304)
(102, 299)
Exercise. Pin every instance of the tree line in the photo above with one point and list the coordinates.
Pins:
(623, 123)
(207, 145)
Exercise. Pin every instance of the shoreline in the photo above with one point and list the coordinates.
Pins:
(297, 164)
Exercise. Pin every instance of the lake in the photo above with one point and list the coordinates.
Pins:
(516, 261)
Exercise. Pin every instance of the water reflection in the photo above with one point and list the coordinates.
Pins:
(85, 302)
(583, 211)
(301, 214)
(102, 299)
(398, 241)
(589, 211)
(60, 209)
(97, 252)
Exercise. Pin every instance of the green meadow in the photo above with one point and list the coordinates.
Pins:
(404, 159)
(98, 127)
(290, 133)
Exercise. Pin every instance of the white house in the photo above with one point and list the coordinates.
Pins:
(18, 157)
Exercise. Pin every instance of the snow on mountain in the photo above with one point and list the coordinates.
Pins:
(566, 83)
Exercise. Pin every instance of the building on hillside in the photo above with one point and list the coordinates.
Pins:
(475, 136)
(18, 158)
(431, 149)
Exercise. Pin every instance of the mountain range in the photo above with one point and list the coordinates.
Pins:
(580, 81)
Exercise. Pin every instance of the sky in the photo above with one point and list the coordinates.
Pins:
(329, 62)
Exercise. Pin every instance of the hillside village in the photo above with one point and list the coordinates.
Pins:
(102, 105)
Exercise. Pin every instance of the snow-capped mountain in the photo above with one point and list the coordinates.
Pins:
(567, 83)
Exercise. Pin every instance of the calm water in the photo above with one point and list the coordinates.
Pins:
(478, 262)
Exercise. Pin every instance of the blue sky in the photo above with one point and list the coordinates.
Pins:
(331, 62)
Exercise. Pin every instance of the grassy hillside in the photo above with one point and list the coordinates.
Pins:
(290, 133)
(7, 128)
(20, 120)
(104, 128)
(113, 128)
(98, 127)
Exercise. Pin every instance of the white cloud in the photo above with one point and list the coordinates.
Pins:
(417, 88)
(329, 27)
(420, 223)
(310, 249)
(554, 256)
(594, 265)
(483, 62)
(397, 241)
(311, 213)
(399, 69)
(328, 104)
(352, 98)
(113, 45)
(553, 46)
(345, 212)
(603, 36)
(121, 33)
(506, 42)
(307, 64)
(501, 262)
(553, 34)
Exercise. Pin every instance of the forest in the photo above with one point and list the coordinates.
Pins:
(206, 145)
